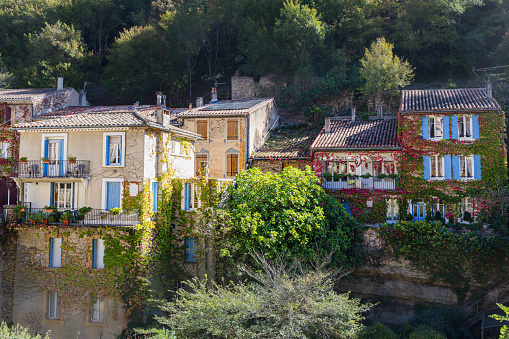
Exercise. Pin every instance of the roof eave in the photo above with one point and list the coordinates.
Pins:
(457, 110)
(354, 149)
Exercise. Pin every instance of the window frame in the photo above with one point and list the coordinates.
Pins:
(460, 120)
(122, 148)
(230, 154)
(432, 121)
(190, 255)
(228, 121)
(198, 163)
(98, 258)
(392, 205)
(51, 251)
(433, 176)
(49, 301)
(96, 301)
(56, 194)
(5, 147)
(466, 204)
(104, 188)
(464, 163)
(206, 137)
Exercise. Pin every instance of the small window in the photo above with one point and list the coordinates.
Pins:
(232, 165)
(435, 127)
(97, 309)
(465, 127)
(55, 252)
(467, 210)
(437, 166)
(232, 130)
(438, 207)
(467, 167)
(62, 194)
(114, 149)
(201, 163)
(202, 128)
(53, 306)
(392, 209)
(190, 255)
(98, 253)
(5, 152)
(190, 197)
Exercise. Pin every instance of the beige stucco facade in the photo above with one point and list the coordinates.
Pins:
(253, 130)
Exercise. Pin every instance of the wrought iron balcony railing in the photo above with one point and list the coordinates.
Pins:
(361, 183)
(53, 168)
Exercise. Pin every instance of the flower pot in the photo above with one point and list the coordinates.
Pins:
(22, 210)
(33, 222)
(72, 161)
(49, 210)
(66, 222)
(23, 162)
(46, 162)
(45, 222)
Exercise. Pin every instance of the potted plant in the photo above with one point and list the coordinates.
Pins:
(343, 176)
(45, 160)
(49, 209)
(19, 210)
(66, 218)
(84, 210)
(23, 160)
(392, 176)
(366, 176)
(115, 211)
(72, 159)
(327, 176)
(382, 176)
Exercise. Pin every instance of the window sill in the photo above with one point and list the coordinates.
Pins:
(113, 166)
(95, 324)
(53, 321)
(437, 178)
(236, 140)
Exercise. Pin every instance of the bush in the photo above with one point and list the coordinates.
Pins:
(378, 331)
(19, 332)
(448, 320)
(426, 332)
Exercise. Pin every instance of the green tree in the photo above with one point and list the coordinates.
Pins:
(19, 332)
(56, 49)
(382, 70)
(504, 331)
(282, 302)
(287, 213)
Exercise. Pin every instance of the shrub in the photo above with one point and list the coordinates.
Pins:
(378, 331)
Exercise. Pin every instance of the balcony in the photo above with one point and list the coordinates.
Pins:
(53, 169)
(361, 183)
(95, 217)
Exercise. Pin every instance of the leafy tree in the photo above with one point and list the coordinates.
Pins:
(377, 330)
(56, 49)
(504, 331)
(283, 302)
(19, 332)
(287, 213)
(382, 70)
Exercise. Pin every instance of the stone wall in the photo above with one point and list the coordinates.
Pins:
(7, 265)
(242, 87)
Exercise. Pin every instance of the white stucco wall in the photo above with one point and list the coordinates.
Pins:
(150, 156)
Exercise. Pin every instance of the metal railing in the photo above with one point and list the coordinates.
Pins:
(496, 295)
(95, 217)
(53, 168)
(362, 183)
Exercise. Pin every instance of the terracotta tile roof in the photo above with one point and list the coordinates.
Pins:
(346, 134)
(101, 117)
(227, 108)
(286, 144)
(443, 100)
(29, 93)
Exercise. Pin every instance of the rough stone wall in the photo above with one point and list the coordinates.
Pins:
(242, 87)
(7, 265)
(267, 166)
(61, 99)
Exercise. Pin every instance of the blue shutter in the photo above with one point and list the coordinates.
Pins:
(61, 162)
(120, 152)
(445, 125)
(112, 195)
(347, 207)
(50, 252)
(107, 150)
(455, 167)
(94, 258)
(425, 128)
(187, 196)
(73, 195)
(426, 165)
(190, 250)
(52, 194)
(454, 127)
(46, 154)
(477, 166)
(155, 197)
(475, 127)
(447, 166)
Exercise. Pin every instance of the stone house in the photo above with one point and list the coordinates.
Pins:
(21, 105)
(230, 131)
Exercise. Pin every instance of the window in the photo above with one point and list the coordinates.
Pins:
(97, 309)
(201, 163)
(155, 196)
(98, 253)
(232, 165)
(435, 127)
(467, 167)
(53, 306)
(7, 115)
(383, 167)
(4, 150)
(232, 130)
(190, 255)
(465, 127)
(437, 166)
(114, 149)
(392, 209)
(55, 252)
(467, 210)
(191, 197)
(202, 128)
(62, 194)
(437, 207)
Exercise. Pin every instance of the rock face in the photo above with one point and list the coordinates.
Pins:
(395, 284)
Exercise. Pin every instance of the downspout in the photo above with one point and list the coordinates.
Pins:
(247, 140)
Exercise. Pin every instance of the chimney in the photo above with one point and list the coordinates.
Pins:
(327, 125)
(60, 82)
(83, 98)
(199, 101)
(353, 113)
(489, 89)
(190, 106)
(159, 116)
(164, 100)
(214, 95)
(159, 96)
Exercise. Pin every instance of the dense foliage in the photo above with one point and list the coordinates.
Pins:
(177, 43)
(282, 302)
(286, 213)
(19, 332)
